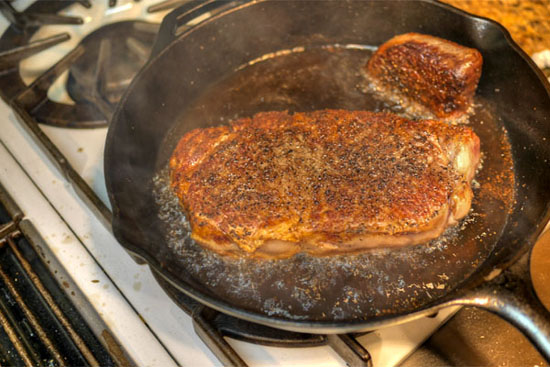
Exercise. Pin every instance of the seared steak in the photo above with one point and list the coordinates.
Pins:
(438, 74)
(323, 182)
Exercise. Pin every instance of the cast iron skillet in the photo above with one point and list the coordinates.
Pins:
(216, 70)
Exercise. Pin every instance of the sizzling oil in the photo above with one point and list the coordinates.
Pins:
(346, 287)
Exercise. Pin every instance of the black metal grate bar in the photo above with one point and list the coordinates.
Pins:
(212, 327)
(114, 54)
(138, 48)
(85, 321)
(6, 229)
(215, 341)
(166, 5)
(15, 40)
(85, 3)
(36, 93)
(146, 27)
(32, 319)
(9, 59)
(9, 211)
(8, 352)
(16, 45)
(101, 85)
(18, 351)
(24, 20)
(35, 100)
(350, 350)
(35, 348)
(86, 353)
(112, 3)
(39, 325)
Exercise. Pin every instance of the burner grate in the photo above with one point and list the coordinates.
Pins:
(92, 85)
(166, 5)
(114, 54)
(16, 45)
(212, 327)
(39, 325)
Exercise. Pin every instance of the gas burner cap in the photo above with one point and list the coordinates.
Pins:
(113, 55)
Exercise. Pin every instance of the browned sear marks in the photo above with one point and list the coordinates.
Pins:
(323, 182)
(438, 74)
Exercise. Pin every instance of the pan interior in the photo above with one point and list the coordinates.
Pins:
(346, 287)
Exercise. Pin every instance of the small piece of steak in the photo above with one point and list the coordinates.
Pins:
(324, 182)
(438, 74)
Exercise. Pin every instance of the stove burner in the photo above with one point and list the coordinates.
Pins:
(114, 54)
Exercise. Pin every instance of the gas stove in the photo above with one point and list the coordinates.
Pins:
(63, 67)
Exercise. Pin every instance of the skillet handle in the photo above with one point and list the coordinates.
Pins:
(511, 296)
(178, 20)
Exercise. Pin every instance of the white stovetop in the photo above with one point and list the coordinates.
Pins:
(153, 330)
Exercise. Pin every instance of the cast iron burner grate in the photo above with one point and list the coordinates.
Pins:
(16, 45)
(114, 54)
(93, 108)
(95, 84)
(212, 326)
(39, 325)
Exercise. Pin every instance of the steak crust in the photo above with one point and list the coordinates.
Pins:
(324, 182)
(439, 75)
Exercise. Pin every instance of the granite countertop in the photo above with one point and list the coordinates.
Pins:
(528, 21)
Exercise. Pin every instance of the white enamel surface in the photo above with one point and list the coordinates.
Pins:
(127, 292)
(118, 315)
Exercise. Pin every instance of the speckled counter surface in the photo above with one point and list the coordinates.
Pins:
(528, 21)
